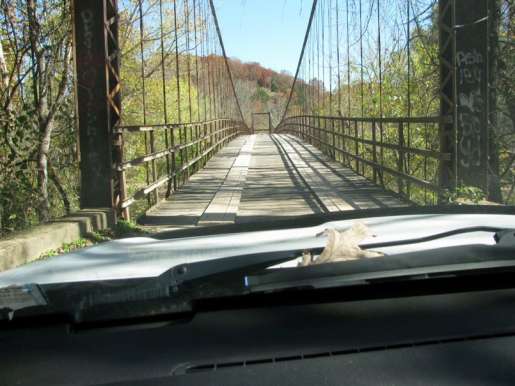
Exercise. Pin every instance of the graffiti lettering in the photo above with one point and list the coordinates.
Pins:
(469, 144)
(88, 74)
(87, 19)
(470, 107)
(468, 58)
(469, 67)
(88, 78)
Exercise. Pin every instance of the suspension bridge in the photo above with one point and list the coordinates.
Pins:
(171, 144)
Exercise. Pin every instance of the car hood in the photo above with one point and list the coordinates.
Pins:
(140, 257)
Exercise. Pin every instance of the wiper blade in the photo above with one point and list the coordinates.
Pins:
(437, 236)
(426, 264)
(258, 261)
(454, 261)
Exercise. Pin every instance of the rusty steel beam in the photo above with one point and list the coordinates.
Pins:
(464, 96)
(95, 34)
(471, 34)
(447, 131)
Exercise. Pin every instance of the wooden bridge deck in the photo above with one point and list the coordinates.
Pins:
(264, 176)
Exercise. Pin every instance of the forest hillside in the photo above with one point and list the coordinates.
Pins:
(260, 89)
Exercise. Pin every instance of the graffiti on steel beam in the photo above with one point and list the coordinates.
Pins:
(469, 67)
(87, 81)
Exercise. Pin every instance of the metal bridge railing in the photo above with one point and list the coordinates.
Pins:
(168, 164)
(379, 149)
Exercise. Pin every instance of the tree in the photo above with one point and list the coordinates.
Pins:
(35, 66)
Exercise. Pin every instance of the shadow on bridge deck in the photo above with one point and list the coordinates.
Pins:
(263, 177)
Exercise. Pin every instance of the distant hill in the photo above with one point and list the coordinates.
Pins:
(260, 89)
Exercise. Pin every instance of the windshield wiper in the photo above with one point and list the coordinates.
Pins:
(256, 262)
(427, 264)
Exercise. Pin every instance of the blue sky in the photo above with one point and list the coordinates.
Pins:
(266, 31)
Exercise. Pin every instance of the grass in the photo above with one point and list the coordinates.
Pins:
(122, 229)
(66, 248)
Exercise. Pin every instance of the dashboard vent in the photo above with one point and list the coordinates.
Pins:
(193, 368)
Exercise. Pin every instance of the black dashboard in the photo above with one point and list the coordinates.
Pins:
(461, 338)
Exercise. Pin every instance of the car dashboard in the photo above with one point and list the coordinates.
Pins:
(454, 338)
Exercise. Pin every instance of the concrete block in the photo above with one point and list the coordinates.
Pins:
(24, 247)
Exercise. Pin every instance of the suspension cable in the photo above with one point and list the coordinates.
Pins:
(215, 18)
(311, 16)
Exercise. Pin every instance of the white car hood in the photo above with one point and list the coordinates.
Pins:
(148, 257)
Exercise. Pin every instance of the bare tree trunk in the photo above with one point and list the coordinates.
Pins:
(6, 101)
(4, 73)
(46, 125)
(44, 203)
(46, 121)
(54, 177)
(41, 107)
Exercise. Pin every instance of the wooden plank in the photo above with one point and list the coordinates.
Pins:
(264, 177)
(223, 208)
(186, 206)
(415, 180)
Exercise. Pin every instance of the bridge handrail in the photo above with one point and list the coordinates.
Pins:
(332, 135)
(162, 126)
(208, 138)
(436, 119)
(171, 150)
(414, 150)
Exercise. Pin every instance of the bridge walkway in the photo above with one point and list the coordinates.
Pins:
(264, 177)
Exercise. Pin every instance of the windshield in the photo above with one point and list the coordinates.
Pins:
(163, 132)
